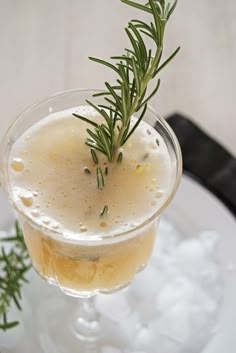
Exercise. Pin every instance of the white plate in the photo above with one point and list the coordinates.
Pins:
(194, 209)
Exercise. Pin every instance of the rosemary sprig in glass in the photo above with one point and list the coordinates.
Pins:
(134, 70)
(13, 266)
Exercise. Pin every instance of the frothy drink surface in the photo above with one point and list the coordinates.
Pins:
(50, 185)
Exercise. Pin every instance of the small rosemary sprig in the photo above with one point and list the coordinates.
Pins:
(134, 70)
(13, 266)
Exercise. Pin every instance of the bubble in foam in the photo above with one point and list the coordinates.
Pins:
(46, 220)
(103, 224)
(55, 226)
(159, 194)
(35, 193)
(83, 228)
(139, 168)
(17, 165)
(27, 199)
(35, 213)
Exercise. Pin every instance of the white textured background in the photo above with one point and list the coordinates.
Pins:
(44, 47)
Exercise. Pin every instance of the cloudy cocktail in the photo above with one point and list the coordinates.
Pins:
(70, 242)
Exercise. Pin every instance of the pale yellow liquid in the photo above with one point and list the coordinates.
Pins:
(50, 187)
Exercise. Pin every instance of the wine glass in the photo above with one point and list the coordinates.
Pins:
(83, 265)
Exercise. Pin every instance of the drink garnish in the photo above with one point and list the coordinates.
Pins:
(134, 69)
(14, 264)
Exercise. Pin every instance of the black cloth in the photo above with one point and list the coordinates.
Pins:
(206, 160)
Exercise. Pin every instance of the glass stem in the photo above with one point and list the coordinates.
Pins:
(86, 325)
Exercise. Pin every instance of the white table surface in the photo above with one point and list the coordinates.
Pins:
(45, 45)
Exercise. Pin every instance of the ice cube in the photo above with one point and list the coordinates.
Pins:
(130, 326)
(176, 290)
(166, 267)
(209, 239)
(145, 282)
(167, 238)
(144, 340)
(165, 344)
(149, 340)
(187, 317)
(209, 274)
(174, 323)
(113, 306)
(190, 258)
(203, 315)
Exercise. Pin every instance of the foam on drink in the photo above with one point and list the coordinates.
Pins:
(50, 158)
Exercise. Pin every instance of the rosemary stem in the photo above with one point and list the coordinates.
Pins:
(147, 78)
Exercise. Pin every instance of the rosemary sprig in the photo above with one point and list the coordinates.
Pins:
(134, 70)
(13, 266)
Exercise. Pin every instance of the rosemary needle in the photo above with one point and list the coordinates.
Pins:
(100, 178)
(120, 157)
(87, 171)
(94, 156)
(104, 211)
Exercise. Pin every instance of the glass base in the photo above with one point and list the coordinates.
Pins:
(109, 325)
(61, 333)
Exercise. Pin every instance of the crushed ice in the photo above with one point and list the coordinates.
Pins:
(173, 304)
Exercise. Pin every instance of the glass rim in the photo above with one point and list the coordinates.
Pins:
(83, 238)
